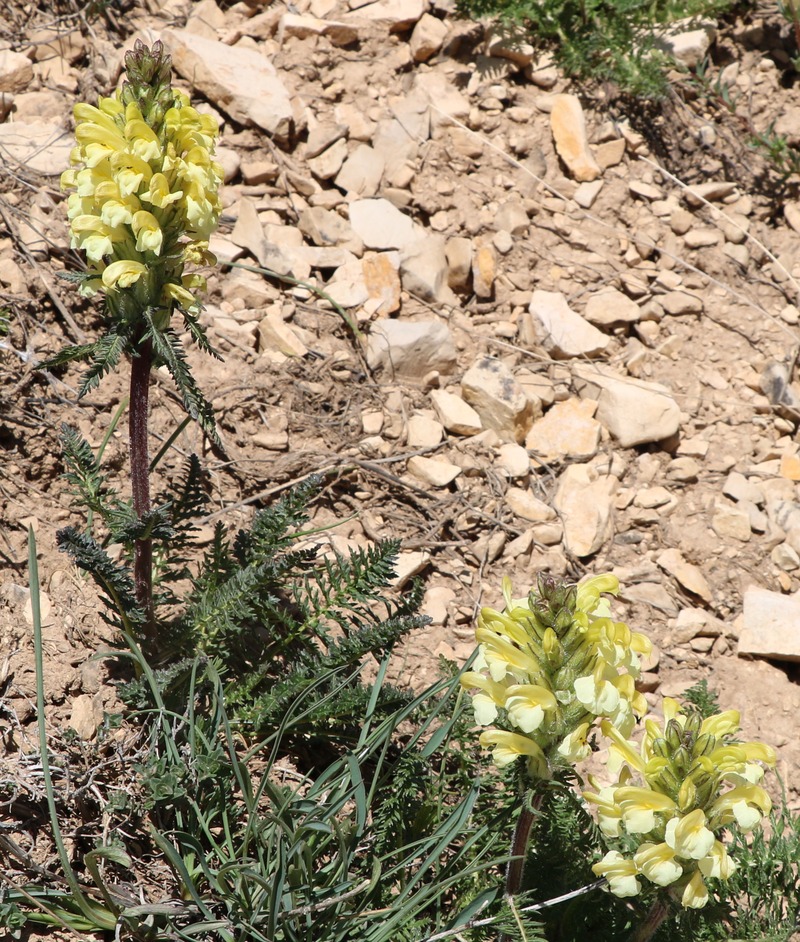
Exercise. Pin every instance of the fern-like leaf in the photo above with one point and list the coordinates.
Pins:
(106, 354)
(169, 350)
(114, 581)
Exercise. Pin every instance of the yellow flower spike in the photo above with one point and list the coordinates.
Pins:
(657, 862)
(688, 836)
(123, 274)
(149, 237)
(695, 894)
(620, 873)
(526, 705)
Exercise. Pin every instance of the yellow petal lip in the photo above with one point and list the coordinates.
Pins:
(123, 273)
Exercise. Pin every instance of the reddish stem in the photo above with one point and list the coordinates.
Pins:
(140, 479)
(519, 844)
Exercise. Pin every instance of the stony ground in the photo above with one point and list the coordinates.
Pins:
(558, 331)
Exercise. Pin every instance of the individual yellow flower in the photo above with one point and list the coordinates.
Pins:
(657, 862)
(149, 237)
(507, 747)
(123, 273)
(620, 873)
(695, 893)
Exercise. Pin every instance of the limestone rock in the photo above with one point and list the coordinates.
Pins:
(398, 15)
(382, 280)
(522, 502)
(687, 574)
(490, 388)
(239, 80)
(43, 146)
(560, 330)
(411, 348)
(483, 271)
(301, 26)
(585, 502)
(686, 41)
(730, 522)
(770, 625)
(322, 136)
(362, 171)
(634, 412)
(326, 165)
(568, 430)
(514, 460)
(445, 100)
(459, 263)
(16, 71)
(380, 225)
(455, 415)
(427, 38)
(325, 227)
(275, 334)
(433, 471)
(568, 125)
(423, 432)
(424, 269)
(609, 307)
(681, 302)
(650, 593)
(87, 715)
(248, 233)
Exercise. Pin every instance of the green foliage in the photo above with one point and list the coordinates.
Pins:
(605, 40)
(705, 701)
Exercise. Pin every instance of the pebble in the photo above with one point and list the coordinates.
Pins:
(433, 471)
(568, 125)
(568, 430)
(361, 174)
(584, 500)
(610, 307)
(423, 432)
(687, 574)
(490, 388)
(650, 593)
(513, 459)
(740, 488)
(635, 412)
(483, 271)
(424, 269)
(702, 238)
(457, 416)
(380, 225)
(681, 302)
(522, 502)
(730, 522)
(411, 348)
(427, 38)
(560, 330)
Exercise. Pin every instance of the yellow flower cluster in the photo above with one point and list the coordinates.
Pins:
(547, 666)
(696, 781)
(139, 191)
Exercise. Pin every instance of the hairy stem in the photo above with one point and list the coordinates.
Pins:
(658, 913)
(140, 479)
(531, 803)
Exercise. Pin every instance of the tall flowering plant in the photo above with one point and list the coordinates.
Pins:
(143, 200)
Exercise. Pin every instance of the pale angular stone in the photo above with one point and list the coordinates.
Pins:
(423, 432)
(362, 171)
(490, 388)
(43, 146)
(730, 522)
(322, 136)
(694, 623)
(301, 26)
(382, 280)
(459, 262)
(410, 563)
(509, 43)
(16, 71)
(248, 233)
(411, 348)
(239, 80)
(587, 193)
(610, 153)
(585, 502)
(326, 165)
(560, 330)
(325, 227)
(514, 460)
(512, 217)
(11, 275)
(633, 411)
(483, 271)
(687, 41)
(681, 302)
(275, 334)
(424, 269)
(687, 574)
(701, 193)
(348, 286)
(609, 307)
(427, 38)
(398, 15)
(568, 125)
(433, 471)
(522, 502)
(741, 488)
(445, 99)
(770, 625)
(87, 715)
(380, 225)
(457, 416)
(567, 430)
(650, 593)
